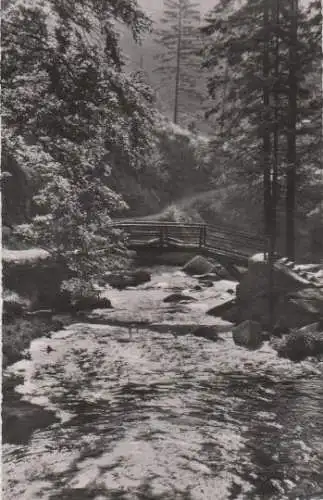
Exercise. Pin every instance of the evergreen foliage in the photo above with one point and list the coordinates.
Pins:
(234, 58)
(178, 61)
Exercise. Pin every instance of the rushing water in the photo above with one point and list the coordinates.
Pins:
(164, 416)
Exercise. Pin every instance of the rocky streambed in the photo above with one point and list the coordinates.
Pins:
(153, 400)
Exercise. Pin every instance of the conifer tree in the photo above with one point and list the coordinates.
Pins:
(238, 37)
(178, 61)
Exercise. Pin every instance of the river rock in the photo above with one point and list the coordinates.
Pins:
(309, 299)
(209, 332)
(90, 303)
(198, 265)
(21, 418)
(178, 297)
(66, 303)
(35, 276)
(304, 342)
(297, 301)
(299, 308)
(255, 281)
(208, 277)
(222, 272)
(248, 334)
(61, 320)
(126, 278)
(14, 306)
(232, 314)
(222, 308)
(207, 283)
(40, 313)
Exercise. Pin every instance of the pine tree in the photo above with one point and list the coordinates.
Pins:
(179, 62)
(238, 38)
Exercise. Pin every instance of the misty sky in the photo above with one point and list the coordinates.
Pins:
(155, 7)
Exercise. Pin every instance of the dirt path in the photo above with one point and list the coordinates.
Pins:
(181, 203)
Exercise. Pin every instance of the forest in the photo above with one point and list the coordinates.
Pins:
(88, 135)
(162, 250)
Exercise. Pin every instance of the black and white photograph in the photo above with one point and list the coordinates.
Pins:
(162, 250)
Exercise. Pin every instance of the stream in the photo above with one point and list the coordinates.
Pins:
(159, 413)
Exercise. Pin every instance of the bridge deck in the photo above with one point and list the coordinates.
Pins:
(216, 241)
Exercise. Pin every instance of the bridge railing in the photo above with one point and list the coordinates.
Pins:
(225, 239)
(165, 233)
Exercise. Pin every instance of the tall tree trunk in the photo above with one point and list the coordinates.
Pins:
(274, 190)
(178, 65)
(291, 134)
(268, 201)
(266, 130)
(274, 177)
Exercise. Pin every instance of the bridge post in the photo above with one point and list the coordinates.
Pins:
(202, 236)
(161, 236)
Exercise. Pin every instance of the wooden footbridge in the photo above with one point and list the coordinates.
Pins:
(223, 243)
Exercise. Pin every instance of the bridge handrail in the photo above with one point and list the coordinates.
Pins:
(224, 227)
(159, 224)
(242, 237)
(211, 229)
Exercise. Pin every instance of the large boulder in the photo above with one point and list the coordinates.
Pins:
(255, 281)
(248, 334)
(178, 297)
(127, 278)
(297, 301)
(300, 308)
(35, 275)
(14, 306)
(92, 302)
(309, 299)
(66, 303)
(21, 418)
(209, 332)
(222, 308)
(304, 342)
(17, 335)
(222, 272)
(198, 265)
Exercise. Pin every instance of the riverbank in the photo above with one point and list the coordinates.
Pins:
(21, 331)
